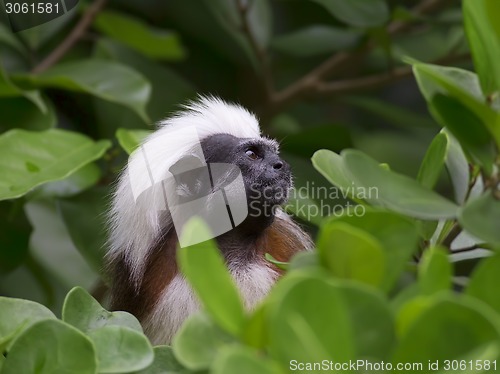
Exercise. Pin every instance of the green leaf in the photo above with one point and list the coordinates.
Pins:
(458, 168)
(9, 89)
(433, 162)
(256, 331)
(397, 235)
(168, 90)
(14, 236)
(130, 139)
(484, 280)
(76, 183)
(86, 314)
(164, 362)
(242, 360)
(85, 218)
(316, 40)
(331, 166)
(483, 33)
(198, 342)
(481, 217)
(434, 271)
(222, 18)
(448, 329)
(38, 36)
(120, 349)
(351, 253)
(361, 13)
(204, 268)
(394, 191)
(133, 32)
(373, 332)
(280, 264)
(107, 80)
(298, 310)
(304, 260)
(7, 37)
(50, 347)
(17, 315)
(29, 159)
(22, 113)
(456, 101)
(394, 114)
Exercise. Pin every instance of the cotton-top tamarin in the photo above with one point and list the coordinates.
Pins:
(210, 152)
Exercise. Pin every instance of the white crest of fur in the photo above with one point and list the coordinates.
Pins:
(136, 225)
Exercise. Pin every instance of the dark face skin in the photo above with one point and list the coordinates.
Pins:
(266, 176)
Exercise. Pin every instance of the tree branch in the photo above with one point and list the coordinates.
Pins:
(313, 81)
(373, 81)
(73, 37)
(261, 53)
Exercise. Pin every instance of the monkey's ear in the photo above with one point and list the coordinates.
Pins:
(191, 176)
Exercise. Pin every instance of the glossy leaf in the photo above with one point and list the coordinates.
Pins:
(316, 40)
(481, 217)
(164, 362)
(133, 32)
(120, 349)
(17, 315)
(394, 191)
(482, 284)
(433, 162)
(22, 113)
(297, 330)
(361, 13)
(457, 102)
(85, 218)
(29, 159)
(351, 253)
(169, 89)
(83, 312)
(7, 37)
(434, 271)
(332, 167)
(49, 347)
(204, 268)
(198, 342)
(458, 168)
(82, 179)
(243, 361)
(38, 36)
(130, 139)
(483, 33)
(9, 89)
(106, 80)
(373, 332)
(428, 337)
(397, 235)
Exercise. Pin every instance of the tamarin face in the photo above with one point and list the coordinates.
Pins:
(266, 176)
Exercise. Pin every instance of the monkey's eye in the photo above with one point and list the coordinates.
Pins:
(251, 154)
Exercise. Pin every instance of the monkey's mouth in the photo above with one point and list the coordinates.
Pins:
(271, 192)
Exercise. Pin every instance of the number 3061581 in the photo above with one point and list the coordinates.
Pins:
(25, 8)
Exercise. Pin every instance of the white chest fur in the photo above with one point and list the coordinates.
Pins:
(178, 300)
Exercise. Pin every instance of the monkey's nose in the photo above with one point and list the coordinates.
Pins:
(278, 165)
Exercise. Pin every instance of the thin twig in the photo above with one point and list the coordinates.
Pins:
(73, 37)
(374, 81)
(451, 236)
(260, 53)
(471, 248)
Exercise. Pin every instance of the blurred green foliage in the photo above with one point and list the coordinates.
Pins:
(323, 76)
